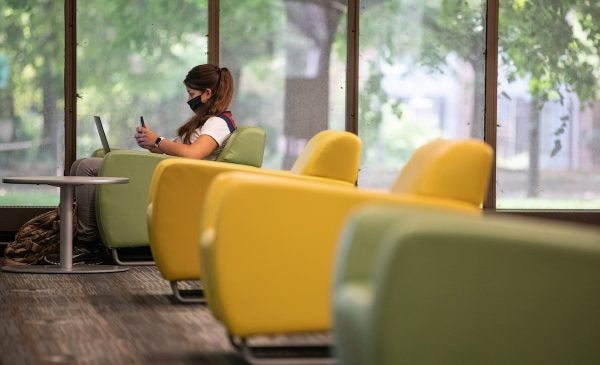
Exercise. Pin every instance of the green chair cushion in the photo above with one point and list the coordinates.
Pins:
(245, 146)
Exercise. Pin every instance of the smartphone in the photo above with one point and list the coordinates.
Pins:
(142, 121)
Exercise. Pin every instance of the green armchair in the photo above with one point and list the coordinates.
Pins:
(421, 287)
(121, 213)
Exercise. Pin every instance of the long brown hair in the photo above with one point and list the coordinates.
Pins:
(203, 77)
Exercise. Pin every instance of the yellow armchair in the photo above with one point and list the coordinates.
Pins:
(178, 191)
(268, 242)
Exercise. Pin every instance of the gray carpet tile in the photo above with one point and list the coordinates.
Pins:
(118, 318)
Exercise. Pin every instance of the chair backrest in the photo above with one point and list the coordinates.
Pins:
(466, 290)
(245, 146)
(448, 168)
(330, 154)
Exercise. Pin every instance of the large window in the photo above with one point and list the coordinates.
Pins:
(548, 149)
(132, 57)
(289, 60)
(421, 77)
(31, 98)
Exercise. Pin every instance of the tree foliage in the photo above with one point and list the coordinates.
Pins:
(132, 55)
(131, 59)
(31, 40)
(554, 44)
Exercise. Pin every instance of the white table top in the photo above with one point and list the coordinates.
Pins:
(65, 180)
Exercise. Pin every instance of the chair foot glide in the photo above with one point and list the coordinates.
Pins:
(115, 256)
(283, 354)
(187, 296)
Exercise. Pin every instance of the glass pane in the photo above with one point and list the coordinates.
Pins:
(31, 98)
(548, 150)
(288, 59)
(132, 57)
(421, 77)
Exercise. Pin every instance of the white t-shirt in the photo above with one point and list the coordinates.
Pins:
(215, 127)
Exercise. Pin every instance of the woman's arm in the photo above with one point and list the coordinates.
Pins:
(202, 147)
(155, 150)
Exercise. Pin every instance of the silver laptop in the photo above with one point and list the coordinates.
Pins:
(101, 133)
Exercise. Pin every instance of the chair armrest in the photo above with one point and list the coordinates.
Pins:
(121, 210)
(353, 302)
(177, 192)
(365, 224)
(357, 270)
(99, 152)
(274, 239)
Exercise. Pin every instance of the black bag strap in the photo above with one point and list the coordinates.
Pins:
(230, 123)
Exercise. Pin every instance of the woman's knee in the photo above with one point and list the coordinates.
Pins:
(86, 166)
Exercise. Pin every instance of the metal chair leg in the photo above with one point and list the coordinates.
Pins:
(272, 354)
(118, 261)
(187, 296)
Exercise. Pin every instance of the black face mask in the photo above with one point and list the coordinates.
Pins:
(195, 103)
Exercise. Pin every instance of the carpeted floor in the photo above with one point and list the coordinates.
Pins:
(118, 318)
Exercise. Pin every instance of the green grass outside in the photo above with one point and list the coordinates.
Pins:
(51, 199)
(31, 199)
(541, 203)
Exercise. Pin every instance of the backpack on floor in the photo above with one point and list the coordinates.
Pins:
(37, 238)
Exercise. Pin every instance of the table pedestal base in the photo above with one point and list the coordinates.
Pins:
(67, 186)
(54, 269)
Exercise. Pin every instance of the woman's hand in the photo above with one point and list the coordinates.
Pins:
(145, 137)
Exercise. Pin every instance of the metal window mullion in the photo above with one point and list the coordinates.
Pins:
(70, 83)
(491, 90)
(352, 38)
(213, 31)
